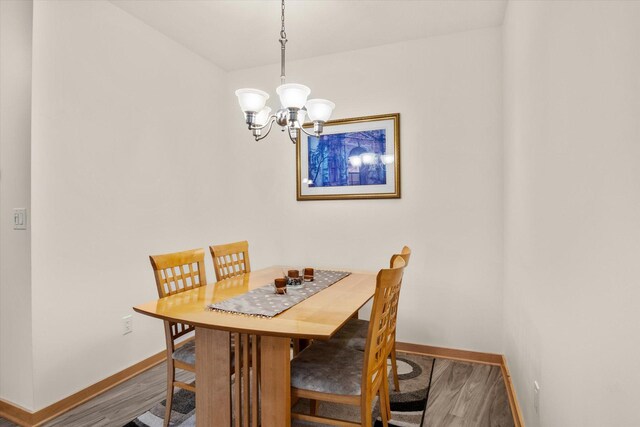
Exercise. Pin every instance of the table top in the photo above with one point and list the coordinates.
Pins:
(318, 317)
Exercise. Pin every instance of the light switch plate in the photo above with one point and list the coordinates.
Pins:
(19, 218)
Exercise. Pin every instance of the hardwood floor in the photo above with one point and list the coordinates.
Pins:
(462, 394)
(121, 404)
(467, 394)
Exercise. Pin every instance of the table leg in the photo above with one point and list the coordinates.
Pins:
(213, 378)
(275, 380)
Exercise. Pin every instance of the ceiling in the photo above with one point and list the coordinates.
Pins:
(237, 34)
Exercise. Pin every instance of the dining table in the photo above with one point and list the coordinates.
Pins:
(261, 345)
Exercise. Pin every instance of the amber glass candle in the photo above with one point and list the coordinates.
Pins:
(294, 274)
(308, 274)
(281, 285)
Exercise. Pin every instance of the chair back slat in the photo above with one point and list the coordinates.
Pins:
(175, 273)
(387, 289)
(231, 259)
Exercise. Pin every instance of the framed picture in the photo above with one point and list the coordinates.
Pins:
(357, 158)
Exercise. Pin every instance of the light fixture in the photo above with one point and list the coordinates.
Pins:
(293, 101)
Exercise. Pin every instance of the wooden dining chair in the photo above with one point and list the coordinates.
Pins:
(175, 273)
(231, 259)
(354, 332)
(331, 372)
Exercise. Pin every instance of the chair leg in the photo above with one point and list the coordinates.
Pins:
(171, 376)
(365, 413)
(394, 368)
(385, 392)
(384, 406)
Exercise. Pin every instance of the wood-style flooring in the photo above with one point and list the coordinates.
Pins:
(462, 395)
(467, 394)
(121, 404)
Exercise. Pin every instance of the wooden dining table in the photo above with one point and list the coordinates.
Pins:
(261, 361)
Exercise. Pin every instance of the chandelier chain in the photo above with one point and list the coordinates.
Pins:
(283, 42)
(283, 34)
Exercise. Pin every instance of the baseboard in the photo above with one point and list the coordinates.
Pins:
(473, 357)
(26, 418)
(518, 421)
(451, 353)
(15, 414)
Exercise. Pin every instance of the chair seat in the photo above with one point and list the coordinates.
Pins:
(186, 353)
(353, 334)
(328, 368)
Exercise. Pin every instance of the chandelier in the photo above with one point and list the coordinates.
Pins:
(294, 104)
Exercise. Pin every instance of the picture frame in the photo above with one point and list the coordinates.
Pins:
(354, 158)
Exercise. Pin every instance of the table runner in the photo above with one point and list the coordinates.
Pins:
(264, 302)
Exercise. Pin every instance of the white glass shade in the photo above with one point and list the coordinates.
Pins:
(302, 116)
(319, 110)
(252, 100)
(263, 116)
(293, 95)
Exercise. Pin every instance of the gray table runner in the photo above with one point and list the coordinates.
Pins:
(264, 302)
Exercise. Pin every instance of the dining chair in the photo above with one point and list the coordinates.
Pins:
(354, 332)
(231, 259)
(175, 273)
(330, 372)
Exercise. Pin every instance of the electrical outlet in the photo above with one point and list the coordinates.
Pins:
(127, 325)
(536, 396)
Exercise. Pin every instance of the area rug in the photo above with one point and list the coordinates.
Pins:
(407, 406)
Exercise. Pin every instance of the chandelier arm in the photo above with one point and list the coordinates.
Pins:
(308, 133)
(269, 123)
(263, 136)
(260, 138)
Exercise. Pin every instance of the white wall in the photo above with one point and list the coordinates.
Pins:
(448, 92)
(127, 129)
(16, 368)
(572, 210)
